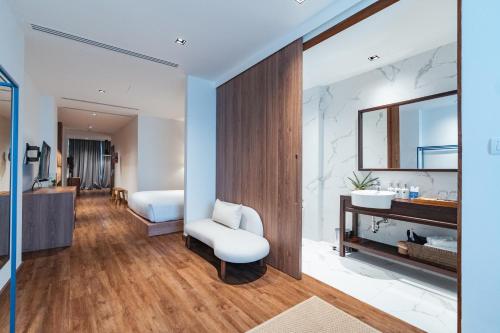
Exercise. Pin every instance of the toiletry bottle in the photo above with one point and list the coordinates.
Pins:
(414, 192)
(405, 192)
(417, 192)
(398, 191)
(390, 188)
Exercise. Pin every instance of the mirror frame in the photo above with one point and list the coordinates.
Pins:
(410, 101)
(14, 142)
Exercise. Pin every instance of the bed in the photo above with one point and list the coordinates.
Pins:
(157, 212)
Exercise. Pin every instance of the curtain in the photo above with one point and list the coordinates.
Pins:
(90, 163)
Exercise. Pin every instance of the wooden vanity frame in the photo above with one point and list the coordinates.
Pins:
(402, 210)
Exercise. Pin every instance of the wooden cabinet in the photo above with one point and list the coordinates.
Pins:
(48, 218)
(74, 181)
(401, 210)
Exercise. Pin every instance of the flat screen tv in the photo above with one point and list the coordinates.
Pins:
(43, 166)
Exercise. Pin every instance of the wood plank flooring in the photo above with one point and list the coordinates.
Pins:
(113, 280)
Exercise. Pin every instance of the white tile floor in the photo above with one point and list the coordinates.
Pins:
(422, 299)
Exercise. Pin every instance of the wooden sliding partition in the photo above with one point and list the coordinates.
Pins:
(259, 140)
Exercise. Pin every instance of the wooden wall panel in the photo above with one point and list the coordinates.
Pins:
(259, 126)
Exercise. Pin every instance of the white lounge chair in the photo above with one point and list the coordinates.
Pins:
(243, 245)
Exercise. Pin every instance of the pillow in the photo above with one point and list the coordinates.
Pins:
(227, 213)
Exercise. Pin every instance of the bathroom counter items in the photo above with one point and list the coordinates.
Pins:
(431, 202)
(402, 210)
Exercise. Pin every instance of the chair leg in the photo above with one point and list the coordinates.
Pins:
(223, 270)
(188, 242)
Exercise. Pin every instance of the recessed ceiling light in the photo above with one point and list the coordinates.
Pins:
(300, 1)
(90, 127)
(101, 91)
(94, 114)
(180, 41)
(373, 57)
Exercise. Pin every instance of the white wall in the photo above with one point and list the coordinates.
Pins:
(480, 181)
(200, 151)
(12, 60)
(161, 154)
(312, 165)
(409, 137)
(126, 145)
(69, 133)
(39, 124)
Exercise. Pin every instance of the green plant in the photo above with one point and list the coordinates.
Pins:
(363, 184)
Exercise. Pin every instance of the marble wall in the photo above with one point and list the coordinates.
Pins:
(330, 140)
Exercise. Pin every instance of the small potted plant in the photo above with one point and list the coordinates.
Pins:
(365, 183)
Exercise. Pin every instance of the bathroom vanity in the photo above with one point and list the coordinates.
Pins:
(428, 213)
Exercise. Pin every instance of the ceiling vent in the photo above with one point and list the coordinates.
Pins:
(101, 104)
(102, 45)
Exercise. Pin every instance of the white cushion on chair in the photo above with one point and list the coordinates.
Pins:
(233, 245)
(236, 246)
(241, 247)
(227, 213)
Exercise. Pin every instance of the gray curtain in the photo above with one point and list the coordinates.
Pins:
(90, 164)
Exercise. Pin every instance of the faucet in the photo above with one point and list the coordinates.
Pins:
(376, 224)
(377, 186)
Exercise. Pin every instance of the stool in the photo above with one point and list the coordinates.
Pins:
(121, 196)
(118, 194)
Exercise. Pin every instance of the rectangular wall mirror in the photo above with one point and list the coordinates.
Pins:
(418, 134)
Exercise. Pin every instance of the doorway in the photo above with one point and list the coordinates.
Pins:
(382, 58)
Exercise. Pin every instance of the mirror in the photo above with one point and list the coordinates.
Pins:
(419, 134)
(5, 134)
(8, 101)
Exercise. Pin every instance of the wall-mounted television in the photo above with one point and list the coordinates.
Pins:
(44, 165)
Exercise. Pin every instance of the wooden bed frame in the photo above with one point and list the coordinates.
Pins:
(150, 229)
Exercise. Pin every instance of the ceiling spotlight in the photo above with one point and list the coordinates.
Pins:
(373, 57)
(180, 41)
(300, 1)
(94, 114)
(90, 127)
(101, 91)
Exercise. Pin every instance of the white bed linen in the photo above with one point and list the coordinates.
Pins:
(158, 206)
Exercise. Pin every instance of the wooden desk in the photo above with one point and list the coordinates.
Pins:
(48, 218)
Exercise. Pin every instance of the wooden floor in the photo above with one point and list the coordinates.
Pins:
(111, 280)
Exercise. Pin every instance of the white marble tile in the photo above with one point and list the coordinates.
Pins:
(420, 298)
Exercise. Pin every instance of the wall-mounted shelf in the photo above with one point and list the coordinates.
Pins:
(433, 215)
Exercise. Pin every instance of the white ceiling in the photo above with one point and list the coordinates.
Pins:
(100, 122)
(404, 29)
(220, 35)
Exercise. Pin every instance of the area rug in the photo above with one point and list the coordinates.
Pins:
(313, 316)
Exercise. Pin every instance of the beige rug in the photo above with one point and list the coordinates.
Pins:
(313, 316)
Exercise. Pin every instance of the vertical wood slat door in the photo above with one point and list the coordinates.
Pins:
(259, 142)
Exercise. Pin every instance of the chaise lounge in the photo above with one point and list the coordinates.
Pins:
(241, 242)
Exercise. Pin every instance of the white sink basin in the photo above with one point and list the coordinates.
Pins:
(372, 199)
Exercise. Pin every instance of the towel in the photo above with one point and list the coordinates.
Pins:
(448, 246)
